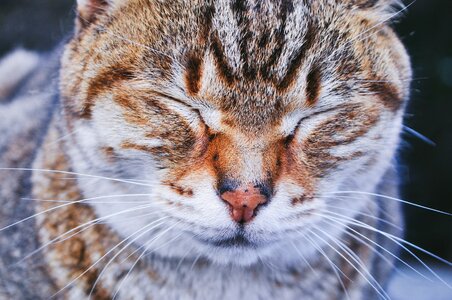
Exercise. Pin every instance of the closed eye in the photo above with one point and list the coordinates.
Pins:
(190, 113)
(201, 118)
(293, 132)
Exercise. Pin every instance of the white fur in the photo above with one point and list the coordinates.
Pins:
(278, 230)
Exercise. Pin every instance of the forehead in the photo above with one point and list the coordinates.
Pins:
(254, 60)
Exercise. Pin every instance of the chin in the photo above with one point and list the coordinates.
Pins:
(235, 256)
(237, 250)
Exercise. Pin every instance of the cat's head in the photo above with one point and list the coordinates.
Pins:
(240, 119)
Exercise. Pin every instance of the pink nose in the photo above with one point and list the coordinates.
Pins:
(243, 202)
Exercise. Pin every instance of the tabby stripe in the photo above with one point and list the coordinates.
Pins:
(313, 81)
(387, 93)
(102, 82)
(207, 13)
(149, 149)
(225, 71)
(286, 8)
(239, 7)
(297, 59)
(193, 74)
(363, 4)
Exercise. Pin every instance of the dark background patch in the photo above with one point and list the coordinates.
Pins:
(425, 30)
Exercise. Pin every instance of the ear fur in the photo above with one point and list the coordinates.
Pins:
(89, 10)
(374, 4)
(379, 10)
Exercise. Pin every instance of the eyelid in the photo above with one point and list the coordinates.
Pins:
(206, 115)
(171, 98)
(187, 112)
(293, 132)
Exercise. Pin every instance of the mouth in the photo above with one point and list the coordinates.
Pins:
(239, 249)
(240, 239)
(237, 241)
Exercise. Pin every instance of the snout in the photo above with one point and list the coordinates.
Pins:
(244, 200)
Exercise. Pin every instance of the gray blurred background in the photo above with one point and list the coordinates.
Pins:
(426, 30)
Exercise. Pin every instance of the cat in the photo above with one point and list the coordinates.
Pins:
(205, 150)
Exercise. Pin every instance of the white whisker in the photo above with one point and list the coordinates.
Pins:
(419, 135)
(67, 204)
(74, 173)
(358, 37)
(393, 198)
(363, 214)
(184, 256)
(334, 267)
(335, 223)
(400, 242)
(304, 259)
(88, 225)
(142, 254)
(376, 286)
(144, 230)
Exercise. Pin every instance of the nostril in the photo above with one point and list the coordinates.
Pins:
(227, 185)
(265, 189)
(244, 202)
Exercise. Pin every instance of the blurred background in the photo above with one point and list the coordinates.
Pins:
(426, 30)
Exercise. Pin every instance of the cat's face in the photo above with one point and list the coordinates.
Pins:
(240, 119)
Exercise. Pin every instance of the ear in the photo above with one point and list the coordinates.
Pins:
(381, 10)
(380, 5)
(89, 10)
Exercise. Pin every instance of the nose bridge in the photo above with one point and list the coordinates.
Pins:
(241, 159)
(244, 180)
(251, 158)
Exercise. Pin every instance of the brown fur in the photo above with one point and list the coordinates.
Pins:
(260, 95)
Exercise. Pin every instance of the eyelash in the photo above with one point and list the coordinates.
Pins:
(182, 103)
(291, 136)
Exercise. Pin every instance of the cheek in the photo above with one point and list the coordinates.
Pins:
(341, 142)
(337, 140)
(165, 137)
(297, 171)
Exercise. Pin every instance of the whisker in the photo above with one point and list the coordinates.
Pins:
(147, 253)
(67, 204)
(334, 267)
(356, 258)
(144, 230)
(304, 259)
(334, 223)
(357, 38)
(64, 137)
(400, 242)
(142, 254)
(184, 256)
(88, 225)
(393, 237)
(74, 173)
(194, 262)
(344, 198)
(419, 136)
(377, 288)
(91, 202)
(118, 253)
(393, 198)
(364, 214)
